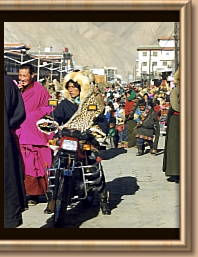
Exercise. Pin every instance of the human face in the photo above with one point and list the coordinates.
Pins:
(73, 91)
(25, 78)
(142, 107)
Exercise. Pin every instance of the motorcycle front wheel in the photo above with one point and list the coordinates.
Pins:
(61, 201)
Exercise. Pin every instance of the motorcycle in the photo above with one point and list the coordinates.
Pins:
(76, 175)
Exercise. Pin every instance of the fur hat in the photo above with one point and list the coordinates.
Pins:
(83, 78)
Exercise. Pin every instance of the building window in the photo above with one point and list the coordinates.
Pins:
(154, 63)
(144, 54)
(164, 63)
(155, 53)
(144, 64)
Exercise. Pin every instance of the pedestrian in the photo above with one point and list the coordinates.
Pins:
(130, 124)
(37, 156)
(108, 111)
(147, 100)
(14, 191)
(120, 119)
(112, 136)
(146, 119)
(157, 109)
(171, 161)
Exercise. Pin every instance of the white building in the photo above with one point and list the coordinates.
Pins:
(166, 41)
(98, 71)
(111, 73)
(153, 60)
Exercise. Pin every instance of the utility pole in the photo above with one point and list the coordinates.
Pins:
(51, 77)
(61, 68)
(150, 67)
(176, 37)
(21, 56)
(38, 68)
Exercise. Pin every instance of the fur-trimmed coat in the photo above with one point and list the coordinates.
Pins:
(67, 108)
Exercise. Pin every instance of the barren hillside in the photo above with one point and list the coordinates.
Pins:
(91, 43)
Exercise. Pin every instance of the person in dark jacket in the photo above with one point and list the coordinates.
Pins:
(147, 120)
(14, 191)
(77, 87)
(171, 161)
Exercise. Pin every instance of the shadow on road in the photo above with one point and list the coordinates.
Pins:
(111, 153)
(76, 216)
(117, 189)
(120, 187)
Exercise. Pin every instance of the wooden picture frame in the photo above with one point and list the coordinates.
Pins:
(184, 243)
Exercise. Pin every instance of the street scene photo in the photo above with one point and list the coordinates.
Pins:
(91, 125)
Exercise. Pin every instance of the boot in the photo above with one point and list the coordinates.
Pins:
(104, 203)
(153, 151)
(50, 207)
(173, 179)
(140, 151)
(50, 203)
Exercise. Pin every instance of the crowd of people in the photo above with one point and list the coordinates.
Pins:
(132, 117)
(135, 113)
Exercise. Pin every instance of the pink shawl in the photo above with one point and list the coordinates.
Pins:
(36, 106)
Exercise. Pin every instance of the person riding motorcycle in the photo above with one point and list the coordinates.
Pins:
(77, 87)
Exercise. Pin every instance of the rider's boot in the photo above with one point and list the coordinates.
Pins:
(104, 203)
(50, 204)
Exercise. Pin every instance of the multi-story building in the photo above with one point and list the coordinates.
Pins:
(156, 59)
(111, 74)
(107, 74)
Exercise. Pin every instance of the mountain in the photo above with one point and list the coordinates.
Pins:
(95, 44)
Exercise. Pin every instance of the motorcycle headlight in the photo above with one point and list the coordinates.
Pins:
(69, 145)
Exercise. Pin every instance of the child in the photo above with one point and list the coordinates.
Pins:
(112, 136)
(120, 119)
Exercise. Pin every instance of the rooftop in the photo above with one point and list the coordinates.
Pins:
(15, 46)
(140, 48)
(166, 38)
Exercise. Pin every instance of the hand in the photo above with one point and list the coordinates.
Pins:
(20, 86)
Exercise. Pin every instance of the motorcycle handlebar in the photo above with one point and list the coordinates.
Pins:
(85, 135)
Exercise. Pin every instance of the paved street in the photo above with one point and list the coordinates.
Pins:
(139, 193)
